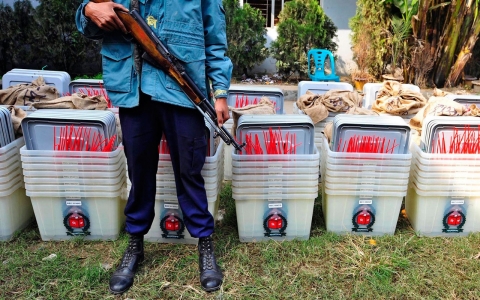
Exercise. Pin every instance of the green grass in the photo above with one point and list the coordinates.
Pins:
(327, 266)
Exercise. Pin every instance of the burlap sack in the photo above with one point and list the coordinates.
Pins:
(473, 111)
(437, 106)
(338, 100)
(309, 104)
(439, 93)
(395, 100)
(26, 94)
(17, 115)
(75, 101)
(264, 107)
(317, 106)
(328, 130)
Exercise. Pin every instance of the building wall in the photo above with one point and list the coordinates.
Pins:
(340, 11)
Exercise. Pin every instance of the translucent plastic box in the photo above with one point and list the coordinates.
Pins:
(321, 87)
(284, 219)
(169, 226)
(442, 213)
(227, 173)
(361, 213)
(94, 216)
(15, 211)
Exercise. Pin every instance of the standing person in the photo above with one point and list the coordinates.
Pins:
(151, 104)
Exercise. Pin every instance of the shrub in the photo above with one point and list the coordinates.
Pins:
(245, 36)
(372, 18)
(303, 25)
(16, 33)
(58, 40)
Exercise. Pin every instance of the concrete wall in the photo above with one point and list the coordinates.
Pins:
(268, 65)
(340, 11)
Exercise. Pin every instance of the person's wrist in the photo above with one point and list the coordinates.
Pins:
(86, 10)
(219, 93)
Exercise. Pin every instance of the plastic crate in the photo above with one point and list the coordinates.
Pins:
(444, 214)
(370, 91)
(256, 92)
(321, 87)
(16, 211)
(94, 216)
(53, 78)
(355, 212)
(82, 85)
(169, 226)
(283, 219)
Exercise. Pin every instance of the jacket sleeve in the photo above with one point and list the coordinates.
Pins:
(218, 66)
(85, 26)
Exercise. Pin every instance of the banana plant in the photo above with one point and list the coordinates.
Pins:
(401, 28)
(467, 46)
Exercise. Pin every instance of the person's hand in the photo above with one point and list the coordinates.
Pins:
(104, 16)
(221, 108)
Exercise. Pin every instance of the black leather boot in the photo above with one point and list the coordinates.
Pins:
(122, 278)
(211, 277)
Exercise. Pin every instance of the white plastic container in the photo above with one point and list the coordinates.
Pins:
(291, 217)
(370, 90)
(15, 207)
(57, 79)
(74, 188)
(95, 216)
(429, 213)
(15, 211)
(167, 209)
(360, 180)
(227, 173)
(321, 88)
(343, 211)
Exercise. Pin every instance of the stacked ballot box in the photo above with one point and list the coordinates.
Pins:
(15, 207)
(76, 193)
(169, 225)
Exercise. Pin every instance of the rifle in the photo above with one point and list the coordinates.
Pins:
(157, 55)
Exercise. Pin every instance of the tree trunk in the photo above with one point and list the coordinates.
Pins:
(450, 39)
(465, 53)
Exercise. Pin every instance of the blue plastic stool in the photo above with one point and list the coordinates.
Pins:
(318, 74)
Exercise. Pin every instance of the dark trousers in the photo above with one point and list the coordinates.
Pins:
(184, 129)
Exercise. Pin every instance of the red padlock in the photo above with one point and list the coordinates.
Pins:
(172, 224)
(364, 218)
(76, 221)
(275, 222)
(454, 219)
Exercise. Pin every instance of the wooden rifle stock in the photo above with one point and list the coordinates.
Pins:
(157, 55)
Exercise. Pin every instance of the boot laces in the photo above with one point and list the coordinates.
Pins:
(206, 249)
(131, 250)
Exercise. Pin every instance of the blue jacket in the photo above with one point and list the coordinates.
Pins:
(192, 30)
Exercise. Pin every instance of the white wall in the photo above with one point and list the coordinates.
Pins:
(268, 65)
(340, 11)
